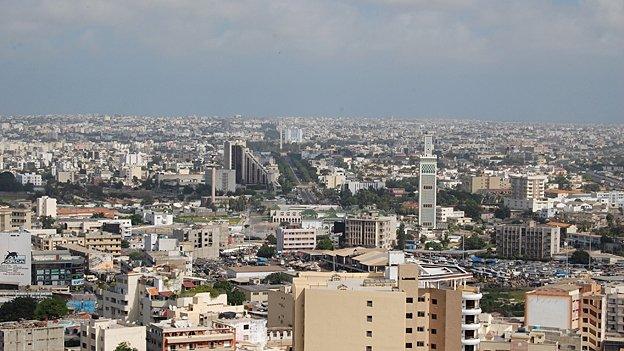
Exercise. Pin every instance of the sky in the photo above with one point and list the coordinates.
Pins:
(534, 60)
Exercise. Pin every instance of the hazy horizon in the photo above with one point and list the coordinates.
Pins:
(550, 61)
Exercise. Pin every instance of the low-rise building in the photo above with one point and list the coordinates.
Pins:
(102, 334)
(12, 219)
(31, 336)
(57, 268)
(295, 238)
(172, 335)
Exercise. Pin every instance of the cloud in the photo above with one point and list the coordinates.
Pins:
(405, 31)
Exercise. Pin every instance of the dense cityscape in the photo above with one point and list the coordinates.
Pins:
(310, 233)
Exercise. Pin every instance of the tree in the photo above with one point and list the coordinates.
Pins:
(432, 245)
(46, 222)
(579, 257)
(474, 242)
(266, 251)
(18, 308)
(125, 244)
(51, 308)
(136, 219)
(502, 212)
(271, 239)
(400, 235)
(277, 278)
(234, 297)
(124, 346)
(8, 182)
(324, 243)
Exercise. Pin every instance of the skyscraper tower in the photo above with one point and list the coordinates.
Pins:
(427, 186)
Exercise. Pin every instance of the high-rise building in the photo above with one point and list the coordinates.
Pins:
(249, 170)
(528, 186)
(427, 187)
(46, 206)
(371, 230)
(369, 311)
(529, 241)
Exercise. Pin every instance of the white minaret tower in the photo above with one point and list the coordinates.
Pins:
(427, 191)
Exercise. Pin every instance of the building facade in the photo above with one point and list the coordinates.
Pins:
(102, 334)
(14, 218)
(371, 230)
(46, 207)
(529, 241)
(295, 238)
(427, 188)
(364, 311)
(31, 336)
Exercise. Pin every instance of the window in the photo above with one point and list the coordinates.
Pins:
(408, 345)
(369, 318)
(434, 331)
(434, 316)
(369, 333)
(409, 300)
(434, 346)
(408, 330)
(421, 299)
(369, 303)
(420, 343)
(246, 326)
(408, 315)
(421, 314)
(369, 348)
(434, 301)
(420, 329)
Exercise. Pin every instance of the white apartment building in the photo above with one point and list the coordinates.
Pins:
(249, 332)
(292, 239)
(286, 216)
(371, 230)
(46, 206)
(355, 185)
(32, 178)
(443, 214)
(156, 218)
(104, 334)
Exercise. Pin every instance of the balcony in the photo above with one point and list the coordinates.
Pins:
(471, 311)
(471, 296)
(471, 326)
(470, 342)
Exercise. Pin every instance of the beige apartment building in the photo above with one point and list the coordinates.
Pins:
(367, 311)
(295, 238)
(528, 186)
(371, 230)
(104, 334)
(51, 241)
(205, 238)
(31, 336)
(180, 335)
(579, 307)
(12, 219)
(479, 184)
(103, 242)
(529, 241)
